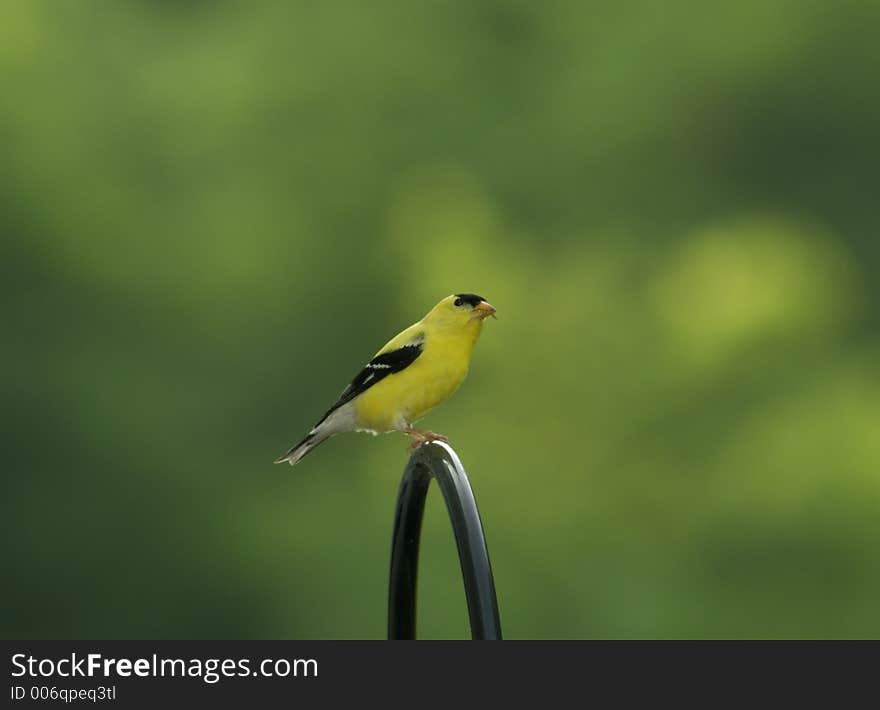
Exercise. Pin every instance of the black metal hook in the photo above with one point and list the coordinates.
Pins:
(439, 461)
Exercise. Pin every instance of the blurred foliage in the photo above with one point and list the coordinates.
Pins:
(212, 213)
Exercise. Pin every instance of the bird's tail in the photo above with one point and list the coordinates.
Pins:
(295, 454)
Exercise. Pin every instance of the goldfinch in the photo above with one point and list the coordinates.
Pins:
(417, 369)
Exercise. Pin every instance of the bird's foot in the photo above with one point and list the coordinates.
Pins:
(422, 436)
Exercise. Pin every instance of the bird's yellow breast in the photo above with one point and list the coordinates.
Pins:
(404, 397)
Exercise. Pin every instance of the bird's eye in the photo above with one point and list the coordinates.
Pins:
(457, 302)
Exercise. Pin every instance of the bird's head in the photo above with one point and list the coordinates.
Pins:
(461, 310)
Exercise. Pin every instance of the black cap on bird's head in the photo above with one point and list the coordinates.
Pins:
(471, 299)
(481, 308)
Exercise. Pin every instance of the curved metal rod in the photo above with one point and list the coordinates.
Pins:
(439, 461)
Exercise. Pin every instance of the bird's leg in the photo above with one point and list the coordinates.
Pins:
(422, 436)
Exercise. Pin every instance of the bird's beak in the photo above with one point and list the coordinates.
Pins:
(483, 310)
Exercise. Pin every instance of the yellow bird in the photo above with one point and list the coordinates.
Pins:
(415, 371)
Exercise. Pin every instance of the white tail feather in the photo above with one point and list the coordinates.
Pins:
(296, 454)
(338, 421)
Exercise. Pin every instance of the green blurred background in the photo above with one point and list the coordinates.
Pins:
(213, 213)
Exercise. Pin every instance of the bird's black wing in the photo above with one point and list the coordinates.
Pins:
(377, 369)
